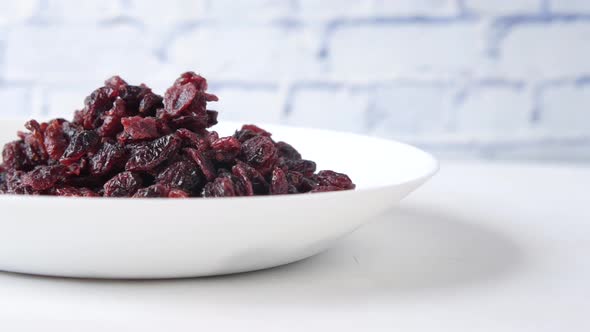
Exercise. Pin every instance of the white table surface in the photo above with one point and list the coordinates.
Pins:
(482, 247)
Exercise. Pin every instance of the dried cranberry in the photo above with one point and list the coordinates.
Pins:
(124, 184)
(192, 139)
(260, 152)
(43, 177)
(177, 193)
(14, 156)
(147, 156)
(249, 131)
(278, 183)
(153, 191)
(150, 103)
(111, 120)
(138, 128)
(179, 98)
(75, 192)
(225, 149)
(211, 118)
(305, 167)
(246, 173)
(321, 189)
(110, 156)
(220, 187)
(55, 139)
(83, 142)
(287, 151)
(334, 179)
(182, 175)
(203, 162)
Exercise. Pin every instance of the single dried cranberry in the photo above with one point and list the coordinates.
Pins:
(150, 103)
(179, 98)
(43, 177)
(75, 192)
(115, 82)
(334, 179)
(34, 143)
(138, 128)
(153, 191)
(247, 174)
(83, 142)
(182, 175)
(278, 183)
(124, 184)
(225, 149)
(220, 187)
(177, 193)
(287, 151)
(145, 157)
(192, 120)
(95, 105)
(257, 130)
(303, 166)
(109, 157)
(260, 152)
(55, 139)
(249, 131)
(14, 156)
(321, 189)
(111, 120)
(189, 77)
(192, 139)
(132, 95)
(211, 118)
(13, 184)
(76, 168)
(203, 162)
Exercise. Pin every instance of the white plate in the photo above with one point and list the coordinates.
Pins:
(170, 238)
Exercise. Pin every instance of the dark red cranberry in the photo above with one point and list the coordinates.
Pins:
(147, 156)
(82, 143)
(124, 184)
(261, 153)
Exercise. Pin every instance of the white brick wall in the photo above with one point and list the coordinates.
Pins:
(566, 110)
(331, 107)
(462, 77)
(381, 51)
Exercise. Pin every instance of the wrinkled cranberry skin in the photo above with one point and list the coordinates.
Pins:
(225, 149)
(181, 175)
(138, 128)
(14, 156)
(83, 142)
(124, 184)
(145, 157)
(153, 191)
(75, 192)
(261, 153)
(248, 174)
(334, 179)
(203, 163)
(55, 139)
(220, 187)
(278, 182)
(128, 141)
(43, 177)
(286, 151)
(110, 156)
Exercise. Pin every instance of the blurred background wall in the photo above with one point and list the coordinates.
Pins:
(465, 78)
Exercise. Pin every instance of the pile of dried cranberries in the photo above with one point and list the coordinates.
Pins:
(130, 142)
